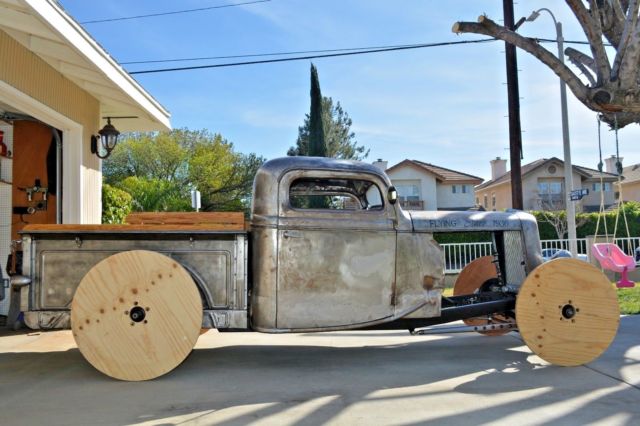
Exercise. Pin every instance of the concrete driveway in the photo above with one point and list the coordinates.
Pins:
(347, 378)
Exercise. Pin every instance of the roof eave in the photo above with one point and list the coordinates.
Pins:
(60, 22)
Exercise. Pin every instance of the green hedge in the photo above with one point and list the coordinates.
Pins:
(116, 204)
(587, 222)
(587, 226)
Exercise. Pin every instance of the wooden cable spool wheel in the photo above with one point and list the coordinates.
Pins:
(136, 315)
(469, 281)
(567, 312)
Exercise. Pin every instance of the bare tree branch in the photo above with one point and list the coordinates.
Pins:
(593, 32)
(487, 27)
(583, 62)
(628, 74)
(612, 17)
(615, 95)
(626, 40)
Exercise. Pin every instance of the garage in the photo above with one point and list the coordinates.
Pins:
(58, 89)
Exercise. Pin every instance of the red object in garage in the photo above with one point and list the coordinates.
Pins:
(3, 147)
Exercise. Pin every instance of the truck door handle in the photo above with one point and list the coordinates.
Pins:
(292, 234)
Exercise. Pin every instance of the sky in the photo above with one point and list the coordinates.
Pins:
(441, 105)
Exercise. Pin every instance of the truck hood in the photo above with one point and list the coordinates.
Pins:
(460, 221)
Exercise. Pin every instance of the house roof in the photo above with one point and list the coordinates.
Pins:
(586, 172)
(442, 174)
(631, 173)
(43, 27)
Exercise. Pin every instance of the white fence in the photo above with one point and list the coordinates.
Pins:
(458, 255)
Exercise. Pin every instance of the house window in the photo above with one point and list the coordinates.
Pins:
(486, 203)
(595, 187)
(550, 187)
(464, 189)
(493, 200)
(408, 192)
(454, 188)
(477, 201)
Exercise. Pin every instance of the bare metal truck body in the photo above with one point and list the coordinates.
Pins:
(328, 248)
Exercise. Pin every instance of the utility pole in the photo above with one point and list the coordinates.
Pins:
(515, 133)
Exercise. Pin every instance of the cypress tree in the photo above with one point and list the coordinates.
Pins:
(317, 144)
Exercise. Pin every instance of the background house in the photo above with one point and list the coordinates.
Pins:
(630, 184)
(57, 86)
(543, 186)
(424, 186)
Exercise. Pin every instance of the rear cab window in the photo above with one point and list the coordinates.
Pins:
(335, 194)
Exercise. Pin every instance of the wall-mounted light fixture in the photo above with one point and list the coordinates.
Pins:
(108, 138)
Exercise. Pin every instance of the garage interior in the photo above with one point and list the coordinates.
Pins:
(30, 183)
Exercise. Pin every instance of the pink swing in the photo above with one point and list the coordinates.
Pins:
(609, 255)
(612, 258)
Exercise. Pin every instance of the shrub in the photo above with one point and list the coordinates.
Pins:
(116, 204)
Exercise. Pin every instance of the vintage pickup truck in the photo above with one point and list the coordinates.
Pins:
(327, 248)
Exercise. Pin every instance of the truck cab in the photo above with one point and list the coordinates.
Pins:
(333, 250)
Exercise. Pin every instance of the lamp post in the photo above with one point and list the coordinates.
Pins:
(568, 168)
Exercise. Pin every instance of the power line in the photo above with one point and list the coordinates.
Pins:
(349, 49)
(254, 55)
(175, 12)
(301, 58)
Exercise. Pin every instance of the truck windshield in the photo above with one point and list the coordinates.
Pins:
(335, 194)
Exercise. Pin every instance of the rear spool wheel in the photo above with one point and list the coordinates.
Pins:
(469, 281)
(136, 315)
(567, 312)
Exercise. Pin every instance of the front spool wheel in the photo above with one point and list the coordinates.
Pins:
(136, 315)
(567, 312)
(470, 281)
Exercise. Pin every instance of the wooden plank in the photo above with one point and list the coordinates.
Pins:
(136, 315)
(567, 312)
(130, 228)
(186, 218)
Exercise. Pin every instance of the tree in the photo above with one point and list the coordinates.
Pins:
(160, 169)
(336, 127)
(223, 176)
(317, 143)
(611, 88)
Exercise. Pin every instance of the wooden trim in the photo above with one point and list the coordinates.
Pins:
(187, 218)
(67, 228)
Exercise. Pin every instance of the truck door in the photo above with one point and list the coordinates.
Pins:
(336, 250)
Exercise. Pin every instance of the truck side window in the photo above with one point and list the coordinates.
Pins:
(335, 194)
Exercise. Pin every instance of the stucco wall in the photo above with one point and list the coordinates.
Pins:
(428, 192)
(447, 199)
(502, 193)
(593, 199)
(631, 191)
(25, 71)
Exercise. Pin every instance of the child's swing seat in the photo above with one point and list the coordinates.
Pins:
(612, 258)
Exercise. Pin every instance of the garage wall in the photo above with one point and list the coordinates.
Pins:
(32, 76)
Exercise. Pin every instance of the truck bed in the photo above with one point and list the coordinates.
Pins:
(58, 256)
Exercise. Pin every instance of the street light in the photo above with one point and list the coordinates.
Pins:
(568, 168)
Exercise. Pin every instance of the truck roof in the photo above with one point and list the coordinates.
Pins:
(265, 185)
(279, 166)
